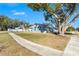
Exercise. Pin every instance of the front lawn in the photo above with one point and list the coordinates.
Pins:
(9, 46)
(78, 34)
(51, 40)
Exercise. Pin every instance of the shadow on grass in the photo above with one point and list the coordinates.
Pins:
(65, 33)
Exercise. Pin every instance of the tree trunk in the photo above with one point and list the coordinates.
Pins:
(59, 27)
(59, 30)
(63, 29)
(70, 24)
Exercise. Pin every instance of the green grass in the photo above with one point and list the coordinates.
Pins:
(78, 34)
(50, 40)
(9, 46)
(32, 37)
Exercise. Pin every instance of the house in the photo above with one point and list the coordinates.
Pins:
(17, 29)
(37, 28)
(33, 28)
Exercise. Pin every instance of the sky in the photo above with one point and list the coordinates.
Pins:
(22, 12)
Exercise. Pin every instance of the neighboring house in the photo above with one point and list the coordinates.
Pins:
(37, 28)
(33, 28)
(17, 29)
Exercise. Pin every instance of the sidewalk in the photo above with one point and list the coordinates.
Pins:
(39, 49)
(72, 48)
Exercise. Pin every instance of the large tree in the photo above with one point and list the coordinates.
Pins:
(6, 22)
(57, 14)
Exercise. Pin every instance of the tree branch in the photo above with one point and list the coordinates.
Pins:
(73, 6)
(70, 24)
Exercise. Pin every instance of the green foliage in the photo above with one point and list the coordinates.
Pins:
(54, 8)
(6, 22)
(55, 12)
(70, 29)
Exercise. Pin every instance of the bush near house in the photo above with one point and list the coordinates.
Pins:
(70, 29)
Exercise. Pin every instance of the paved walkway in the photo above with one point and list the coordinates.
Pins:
(40, 49)
(72, 48)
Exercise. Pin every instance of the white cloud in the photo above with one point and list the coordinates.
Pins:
(18, 12)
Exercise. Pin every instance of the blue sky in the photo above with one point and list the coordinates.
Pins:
(24, 13)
